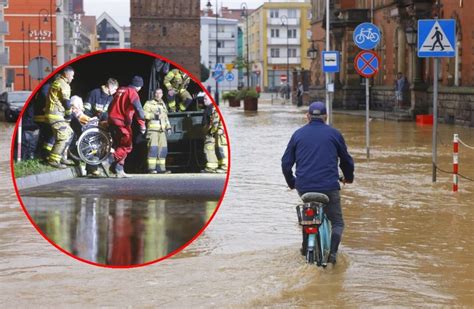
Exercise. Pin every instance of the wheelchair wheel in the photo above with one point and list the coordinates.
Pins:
(93, 146)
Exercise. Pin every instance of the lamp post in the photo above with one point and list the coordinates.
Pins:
(23, 46)
(29, 54)
(312, 53)
(45, 20)
(410, 34)
(245, 13)
(209, 6)
(284, 22)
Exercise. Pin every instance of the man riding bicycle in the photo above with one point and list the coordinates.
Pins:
(316, 149)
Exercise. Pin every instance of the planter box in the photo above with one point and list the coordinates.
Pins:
(250, 104)
(234, 103)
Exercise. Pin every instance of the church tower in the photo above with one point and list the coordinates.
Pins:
(168, 28)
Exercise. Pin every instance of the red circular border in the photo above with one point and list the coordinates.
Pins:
(359, 55)
(28, 102)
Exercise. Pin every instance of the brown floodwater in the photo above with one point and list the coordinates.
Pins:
(407, 242)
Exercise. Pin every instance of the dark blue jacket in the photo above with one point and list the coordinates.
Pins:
(97, 103)
(316, 148)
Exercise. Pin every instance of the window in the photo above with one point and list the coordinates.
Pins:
(221, 28)
(220, 44)
(292, 52)
(292, 33)
(292, 13)
(274, 14)
(275, 52)
(275, 33)
(221, 59)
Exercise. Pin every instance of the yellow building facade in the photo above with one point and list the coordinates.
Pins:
(279, 37)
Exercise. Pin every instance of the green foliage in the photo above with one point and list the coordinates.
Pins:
(240, 63)
(248, 93)
(230, 95)
(205, 73)
(31, 167)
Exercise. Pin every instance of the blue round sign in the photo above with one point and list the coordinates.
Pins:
(229, 77)
(366, 36)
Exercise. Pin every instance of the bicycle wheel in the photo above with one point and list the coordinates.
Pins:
(93, 146)
(325, 240)
(360, 38)
(374, 37)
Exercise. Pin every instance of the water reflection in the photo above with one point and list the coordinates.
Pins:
(119, 231)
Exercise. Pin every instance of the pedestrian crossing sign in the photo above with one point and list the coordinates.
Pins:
(436, 37)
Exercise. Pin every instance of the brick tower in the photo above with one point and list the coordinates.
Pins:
(168, 28)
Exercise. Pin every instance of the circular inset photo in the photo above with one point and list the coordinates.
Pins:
(120, 158)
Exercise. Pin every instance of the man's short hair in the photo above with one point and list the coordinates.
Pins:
(112, 82)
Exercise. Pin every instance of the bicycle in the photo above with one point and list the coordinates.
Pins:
(366, 35)
(313, 220)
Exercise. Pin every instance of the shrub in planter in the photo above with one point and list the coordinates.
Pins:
(231, 96)
(250, 97)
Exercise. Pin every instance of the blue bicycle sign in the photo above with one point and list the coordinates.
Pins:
(366, 36)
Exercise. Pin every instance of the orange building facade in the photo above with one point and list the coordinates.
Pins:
(32, 33)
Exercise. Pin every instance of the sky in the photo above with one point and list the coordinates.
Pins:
(120, 9)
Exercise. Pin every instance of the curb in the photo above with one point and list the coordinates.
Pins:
(46, 178)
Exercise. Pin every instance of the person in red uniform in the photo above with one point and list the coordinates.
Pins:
(124, 108)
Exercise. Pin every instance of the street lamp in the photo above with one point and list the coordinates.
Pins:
(245, 13)
(312, 52)
(410, 33)
(284, 21)
(209, 6)
(45, 20)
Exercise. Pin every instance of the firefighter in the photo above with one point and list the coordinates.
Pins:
(215, 140)
(176, 83)
(158, 128)
(46, 136)
(96, 105)
(58, 115)
(124, 108)
(98, 100)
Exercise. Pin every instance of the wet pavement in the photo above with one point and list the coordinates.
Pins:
(407, 242)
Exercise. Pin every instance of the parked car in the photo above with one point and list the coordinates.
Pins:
(11, 103)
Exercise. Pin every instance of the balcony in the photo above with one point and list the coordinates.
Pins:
(4, 29)
(226, 51)
(222, 36)
(282, 41)
(4, 58)
(277, 21)
(282, 60)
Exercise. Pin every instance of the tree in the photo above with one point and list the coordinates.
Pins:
(205, 73)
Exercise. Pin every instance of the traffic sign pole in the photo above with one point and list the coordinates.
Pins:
(436, 38)
(367, 36)
(367, 110)
(435, 116)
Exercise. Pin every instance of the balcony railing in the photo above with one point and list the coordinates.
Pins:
(223, 35)
(282, 41)
(277, 21)
(283, 60)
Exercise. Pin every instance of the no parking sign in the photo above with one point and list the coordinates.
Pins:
(367, 63)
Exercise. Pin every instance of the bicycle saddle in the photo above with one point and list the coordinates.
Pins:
(315, 197)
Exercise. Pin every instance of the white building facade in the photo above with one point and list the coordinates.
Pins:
(226, 41)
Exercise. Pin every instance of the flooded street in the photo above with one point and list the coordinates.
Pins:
(407, 242)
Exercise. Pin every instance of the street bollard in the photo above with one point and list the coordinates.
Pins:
(455, 162)
(18, 146)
